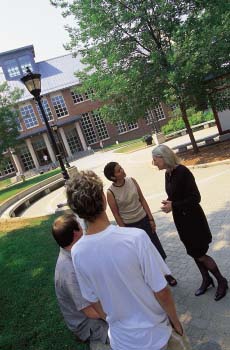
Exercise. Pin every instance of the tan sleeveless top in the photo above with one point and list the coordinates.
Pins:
(127, 199)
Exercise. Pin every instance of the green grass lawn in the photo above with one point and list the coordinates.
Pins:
(11, 191)
(4, 183)
(127, 146)
(132, 147)
(122, 144)
(30, 317)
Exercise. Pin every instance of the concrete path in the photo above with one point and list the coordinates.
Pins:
(137, 164)
(207, 322)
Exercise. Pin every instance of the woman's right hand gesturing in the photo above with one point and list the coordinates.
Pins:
(167, 206)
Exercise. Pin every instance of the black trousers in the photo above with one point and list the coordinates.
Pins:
(145, 225)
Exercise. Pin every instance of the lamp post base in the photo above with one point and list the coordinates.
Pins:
(158, 138)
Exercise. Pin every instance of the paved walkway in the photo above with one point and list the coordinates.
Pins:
(207, 322)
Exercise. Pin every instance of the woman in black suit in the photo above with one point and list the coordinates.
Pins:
(191, 223)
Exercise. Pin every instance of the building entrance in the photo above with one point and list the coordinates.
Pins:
(41, 152)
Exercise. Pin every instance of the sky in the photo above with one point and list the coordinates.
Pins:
(36, 22)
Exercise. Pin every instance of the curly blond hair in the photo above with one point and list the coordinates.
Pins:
(85, 195)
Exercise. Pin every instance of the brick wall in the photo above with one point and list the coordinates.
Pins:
(87, 106)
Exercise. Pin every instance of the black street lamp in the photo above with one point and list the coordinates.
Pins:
(60, 146)
(32, 82)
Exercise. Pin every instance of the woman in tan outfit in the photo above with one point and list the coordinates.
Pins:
(129, 207)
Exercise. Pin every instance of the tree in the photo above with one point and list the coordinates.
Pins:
(8, 118)
(141, 52)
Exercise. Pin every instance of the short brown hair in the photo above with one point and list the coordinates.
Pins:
(85, 195)
(63, 229)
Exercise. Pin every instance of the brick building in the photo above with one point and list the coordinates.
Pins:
(76, 116)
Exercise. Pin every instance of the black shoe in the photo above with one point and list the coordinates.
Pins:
(171, 280)
(204, 286)
(221, 290)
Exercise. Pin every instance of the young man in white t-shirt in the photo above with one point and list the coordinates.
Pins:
(121, 273)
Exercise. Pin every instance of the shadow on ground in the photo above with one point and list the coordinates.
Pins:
(206, 321)
(207, 154)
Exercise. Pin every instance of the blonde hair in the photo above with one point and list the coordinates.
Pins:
(169, 157)
(85, 195)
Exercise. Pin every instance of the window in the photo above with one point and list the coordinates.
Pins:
(100, 126)
(25, 62)
(149, 117)
(12, 68)
(28, 116)
(47, 110)
(123, 127)
(26, 158)
(132, 126)
(88, 94)
(8, 169)
(40, 149)
(39, 145)
(174, 106)
(154, 115)
(77, 98)
(88, 129)
(159, 112)
(59, 106)
(73, 142)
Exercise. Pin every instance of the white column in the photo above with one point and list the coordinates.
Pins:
(17, 162)
(62, 134)
(81, 136)
(49, 148)
(33, 154)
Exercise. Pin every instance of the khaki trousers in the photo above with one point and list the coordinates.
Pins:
(99, 346)
(178, 342)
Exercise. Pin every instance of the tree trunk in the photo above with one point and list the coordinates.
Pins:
(215, 113)
(188, 127)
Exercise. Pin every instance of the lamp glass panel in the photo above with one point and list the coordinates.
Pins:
(54, 127)
(33, 84)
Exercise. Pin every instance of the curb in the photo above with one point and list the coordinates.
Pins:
(135, 150)
(208, 165)
(14, 205)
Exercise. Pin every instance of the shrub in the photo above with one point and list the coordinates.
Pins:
(177, 112)
(176, 123)
(180, 124)
(196, 118)
(166, 129)
(208, 116)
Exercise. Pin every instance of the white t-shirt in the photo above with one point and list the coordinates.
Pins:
(120, 267)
